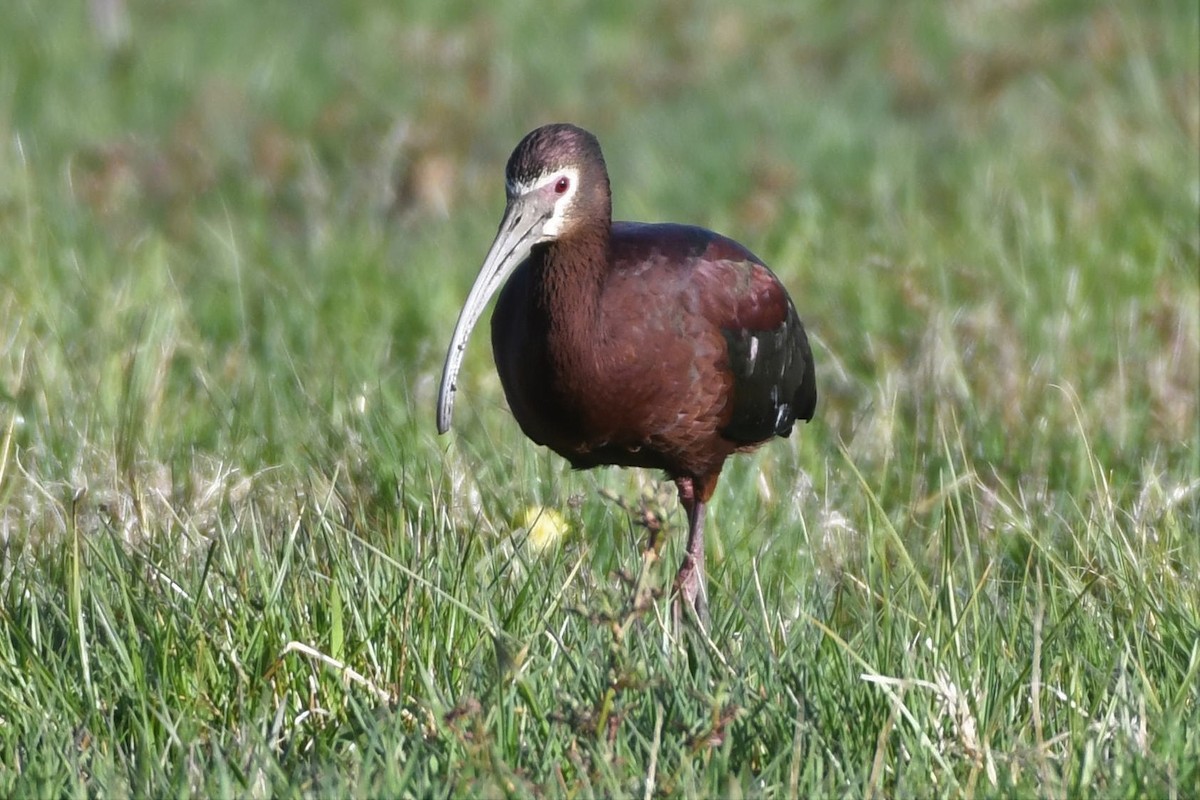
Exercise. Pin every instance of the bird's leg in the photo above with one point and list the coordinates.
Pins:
(689, 581)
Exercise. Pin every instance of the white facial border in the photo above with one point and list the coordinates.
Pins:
(562, 204)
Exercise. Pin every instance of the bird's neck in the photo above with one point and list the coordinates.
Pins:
(569, 289)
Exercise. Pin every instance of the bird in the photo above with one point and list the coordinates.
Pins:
(655, 345)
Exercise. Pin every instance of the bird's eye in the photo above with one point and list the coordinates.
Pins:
(562, 185)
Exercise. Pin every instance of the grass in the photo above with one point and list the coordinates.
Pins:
(237, 560)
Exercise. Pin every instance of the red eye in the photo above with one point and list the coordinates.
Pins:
(562, 185)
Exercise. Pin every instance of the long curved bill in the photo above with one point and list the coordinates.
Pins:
(518, 233)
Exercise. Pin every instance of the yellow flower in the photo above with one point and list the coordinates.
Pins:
(544, 526)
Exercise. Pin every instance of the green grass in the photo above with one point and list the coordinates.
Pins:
(237, 560)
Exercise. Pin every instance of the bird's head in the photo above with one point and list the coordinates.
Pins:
(556, 183)
(555, 180)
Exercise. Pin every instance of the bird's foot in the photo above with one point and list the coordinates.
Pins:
(690, 594)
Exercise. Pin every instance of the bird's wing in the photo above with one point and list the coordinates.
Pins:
(713, 289)
(768, 354)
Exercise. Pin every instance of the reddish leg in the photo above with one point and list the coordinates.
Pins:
(690, 581)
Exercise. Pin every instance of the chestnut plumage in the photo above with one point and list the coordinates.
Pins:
(641, 345)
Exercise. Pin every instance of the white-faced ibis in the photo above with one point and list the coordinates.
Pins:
(641, 345)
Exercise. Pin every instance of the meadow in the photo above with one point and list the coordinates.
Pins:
(238, 561)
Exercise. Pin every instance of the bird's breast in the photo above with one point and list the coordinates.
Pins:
(543, 372)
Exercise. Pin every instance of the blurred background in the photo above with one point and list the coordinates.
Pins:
(1003, 194)
(242, 235)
